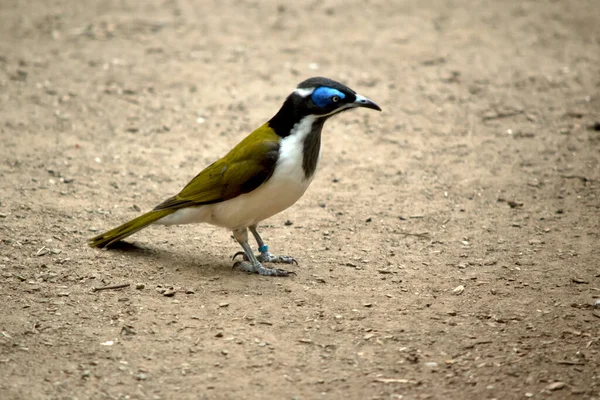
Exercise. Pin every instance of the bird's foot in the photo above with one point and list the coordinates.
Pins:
(259, 269)
(268, 258)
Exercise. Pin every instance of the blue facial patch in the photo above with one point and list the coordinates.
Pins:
(322, 96)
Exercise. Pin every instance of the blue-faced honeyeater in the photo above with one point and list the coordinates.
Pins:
(264, 174)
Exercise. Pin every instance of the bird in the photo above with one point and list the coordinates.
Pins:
(264, 174)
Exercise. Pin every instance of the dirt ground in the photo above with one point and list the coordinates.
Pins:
(448, 248)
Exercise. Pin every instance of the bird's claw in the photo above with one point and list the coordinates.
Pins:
(259, 269)
(268, 258)
(240, 253)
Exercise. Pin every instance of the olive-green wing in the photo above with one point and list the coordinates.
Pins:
(247, 166)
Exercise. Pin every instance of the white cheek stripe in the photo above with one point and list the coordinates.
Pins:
(304, 92)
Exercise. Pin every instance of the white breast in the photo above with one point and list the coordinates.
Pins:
(287, 184)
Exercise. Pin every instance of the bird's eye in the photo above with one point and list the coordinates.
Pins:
(335, 99)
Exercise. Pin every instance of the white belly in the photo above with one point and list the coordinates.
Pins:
(248, 209)
(287, 184)
(271, 198)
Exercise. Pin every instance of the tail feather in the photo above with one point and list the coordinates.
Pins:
(128, 228)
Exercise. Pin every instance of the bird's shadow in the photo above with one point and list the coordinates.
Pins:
(130, 248)
(179, 259)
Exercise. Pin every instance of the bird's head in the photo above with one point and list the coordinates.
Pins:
(317, 98)
(324, 97)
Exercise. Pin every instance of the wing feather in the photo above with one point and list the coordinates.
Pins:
(247, 166)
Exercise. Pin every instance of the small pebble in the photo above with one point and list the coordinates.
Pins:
(458, 290)
(141, 376)
(556, 386)
(140, 286)
(223, 305)
(169, 293)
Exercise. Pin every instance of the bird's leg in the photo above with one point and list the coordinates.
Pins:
(251, 263)
(263, 249)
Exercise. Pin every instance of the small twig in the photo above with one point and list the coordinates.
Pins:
(472, 345)
(127, 330)
(393, 380)
(421, 235)
(500, 115)
(567, 362)
(110, 287)
(130, 100)
(580, 177)
(511, 203)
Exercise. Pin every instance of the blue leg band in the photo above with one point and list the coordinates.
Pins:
(263, 249)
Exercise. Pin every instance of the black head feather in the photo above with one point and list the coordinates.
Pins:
(301, 103)
(319, 81)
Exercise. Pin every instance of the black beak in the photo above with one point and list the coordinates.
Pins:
(366, 103)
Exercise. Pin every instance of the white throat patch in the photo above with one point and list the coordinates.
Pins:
(291, 152)
(302, 128)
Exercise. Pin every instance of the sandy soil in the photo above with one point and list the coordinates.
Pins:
(448, 248)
